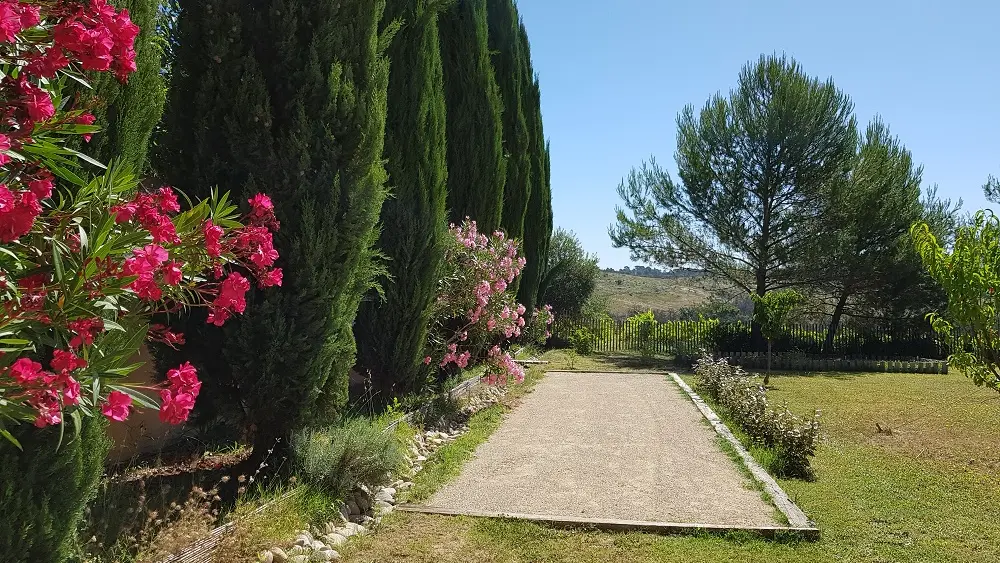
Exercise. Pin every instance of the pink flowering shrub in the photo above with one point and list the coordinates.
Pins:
(476, 310)
(85, 262)
(539, 328)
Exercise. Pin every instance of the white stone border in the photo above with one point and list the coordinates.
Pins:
(796, 518)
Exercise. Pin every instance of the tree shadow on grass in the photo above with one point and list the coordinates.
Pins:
(635, 361)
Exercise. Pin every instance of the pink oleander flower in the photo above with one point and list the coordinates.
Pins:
(175, 406)
(118, 407)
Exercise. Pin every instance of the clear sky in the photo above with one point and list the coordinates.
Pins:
(615, 73)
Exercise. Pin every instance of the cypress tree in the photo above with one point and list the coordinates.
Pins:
(128, 113)
(45, 489)
(510, 62)
(476, 164)
(537, 222)
(538, 217)
(286, 97)
(392, 331)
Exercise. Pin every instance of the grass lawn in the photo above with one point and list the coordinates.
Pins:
(929, 491)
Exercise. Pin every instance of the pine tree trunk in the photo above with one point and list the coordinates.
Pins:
(831, 332)
(767, 376)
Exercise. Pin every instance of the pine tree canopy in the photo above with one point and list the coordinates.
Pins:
(757, 168)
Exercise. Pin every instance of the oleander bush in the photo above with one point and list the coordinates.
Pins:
(791, 438)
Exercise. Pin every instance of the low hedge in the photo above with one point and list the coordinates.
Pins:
(792, 439)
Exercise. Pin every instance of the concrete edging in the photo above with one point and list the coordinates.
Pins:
(797, 519)
(614, 525)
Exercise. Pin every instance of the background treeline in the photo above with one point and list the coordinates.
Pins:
(779, 187)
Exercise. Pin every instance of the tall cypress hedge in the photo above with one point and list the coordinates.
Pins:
(510, 62)
(476, 165)
(128, 113)
(538, 215)
(286, 97)
(44, 490)
(392, 329)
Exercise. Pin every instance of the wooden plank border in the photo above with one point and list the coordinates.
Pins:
(613, 525)
(797, 519)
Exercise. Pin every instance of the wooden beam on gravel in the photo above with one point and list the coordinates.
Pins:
(614, 525)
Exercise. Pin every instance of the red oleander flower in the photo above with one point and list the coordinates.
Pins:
(118, 407)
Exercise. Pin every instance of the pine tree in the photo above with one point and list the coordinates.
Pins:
(510, 62)
(286, 97)
(392, 331)
(476, 164)
(127, 113)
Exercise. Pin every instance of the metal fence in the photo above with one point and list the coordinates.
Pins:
(688, 338)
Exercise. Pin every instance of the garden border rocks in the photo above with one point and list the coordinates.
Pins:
(359, 521)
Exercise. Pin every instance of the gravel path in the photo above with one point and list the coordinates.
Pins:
(607, 446)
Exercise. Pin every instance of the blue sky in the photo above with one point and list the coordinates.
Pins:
(614, 75)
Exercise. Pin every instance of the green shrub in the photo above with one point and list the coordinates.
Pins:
(339, 458)
(643, 326)
(44, 490)
(792, 439)
(582, 341)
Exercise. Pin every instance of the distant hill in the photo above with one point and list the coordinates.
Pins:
(667, 293)
(648, 272)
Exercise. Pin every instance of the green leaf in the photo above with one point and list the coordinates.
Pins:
(10, 437)
(86, 158)
(57, 261)
(79, 79)
(137, 396)
(77, 424)
(110, 324)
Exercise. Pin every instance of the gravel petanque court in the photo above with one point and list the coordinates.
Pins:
(608, 446)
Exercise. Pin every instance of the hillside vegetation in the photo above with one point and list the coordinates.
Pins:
(624, 294)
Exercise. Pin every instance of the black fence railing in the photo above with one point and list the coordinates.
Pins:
(688, 338)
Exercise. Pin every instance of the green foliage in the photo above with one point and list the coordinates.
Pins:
(392, 331)
(582, 341)
(337, 459)
(538, 219)
(44, 490)
(643, 326)
(772, 310)
(969, 272)
(477, 169)
(757, 169)
(287, 97)
(770, 313)
(510, 64)
(128, 113)
(570, 275)
(793, 440)
(867, 237)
